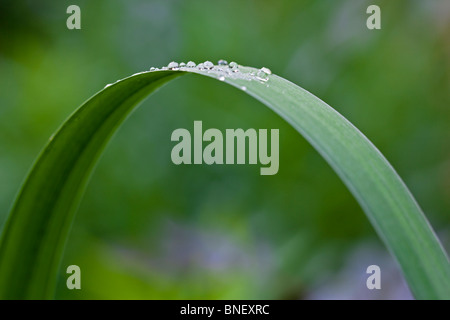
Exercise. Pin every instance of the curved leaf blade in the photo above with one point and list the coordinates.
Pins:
(34, 236)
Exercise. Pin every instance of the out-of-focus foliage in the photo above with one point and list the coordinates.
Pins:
(149, 229)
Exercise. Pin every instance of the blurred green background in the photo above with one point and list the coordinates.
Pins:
(147, 228)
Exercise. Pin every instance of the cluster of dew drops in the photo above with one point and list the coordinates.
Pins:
(222, 70)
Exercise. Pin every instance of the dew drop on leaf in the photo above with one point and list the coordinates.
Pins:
(262, 74)
(208, 64)
(266, 70)
(172, 65)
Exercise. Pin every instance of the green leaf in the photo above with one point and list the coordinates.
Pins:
(38, 225)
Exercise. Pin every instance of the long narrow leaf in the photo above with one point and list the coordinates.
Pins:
(34, 236)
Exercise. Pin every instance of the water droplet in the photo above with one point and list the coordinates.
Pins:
(191, 64)
(182, 64)
(201, 66)
(208, 64)
(108, 85)
(172, 65)
(244, 88)
(266, 70)
(164, 68)
(234, 66)
(153, 69)
(222, 78)
(222, 62)
(262, 75)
